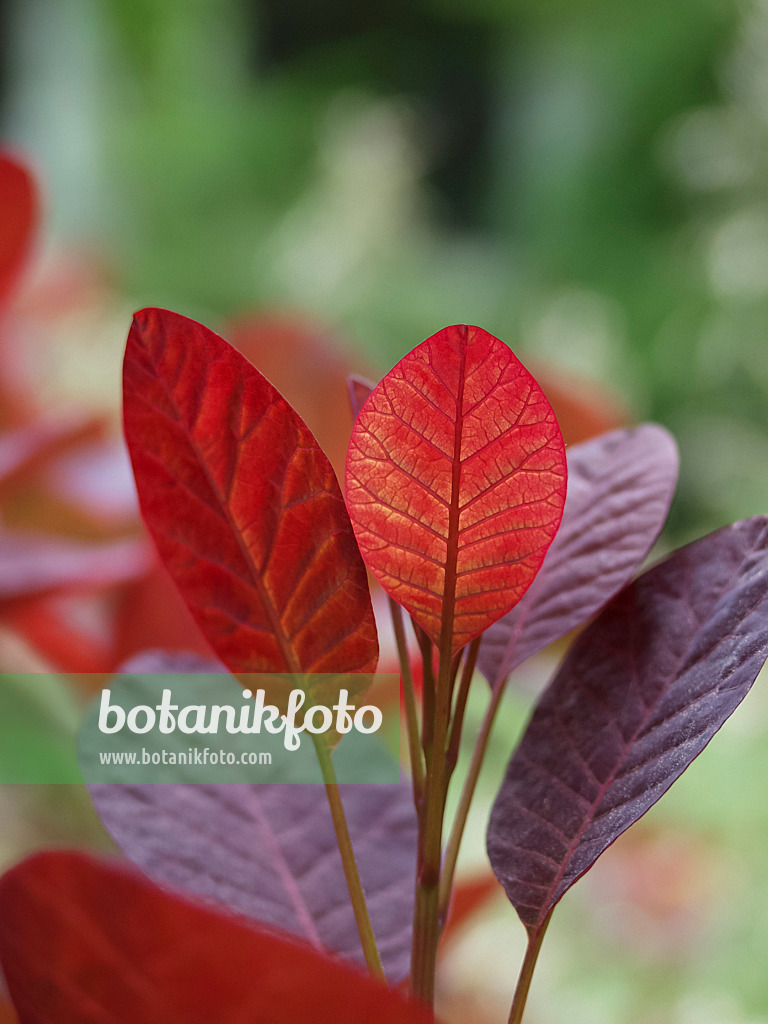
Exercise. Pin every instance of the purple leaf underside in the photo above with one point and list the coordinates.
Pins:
(639, 696)
(269, 851)
(620, 486)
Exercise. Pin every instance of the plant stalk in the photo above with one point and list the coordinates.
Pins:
(457, 719)
(354, 885)
(427, 923)
(411, 713)
(526, 972)
(467, 793)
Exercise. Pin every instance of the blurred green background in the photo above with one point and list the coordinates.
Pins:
(586, 179)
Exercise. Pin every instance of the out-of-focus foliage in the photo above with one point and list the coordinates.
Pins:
(585, 180)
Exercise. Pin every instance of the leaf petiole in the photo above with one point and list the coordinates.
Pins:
(411, 713)
(467, 793)
(354, 885)
(526, 972)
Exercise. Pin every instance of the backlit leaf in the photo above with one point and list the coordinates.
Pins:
(639, 696)
(84, 941)
(456, 482)
(243, 505)
(620, 486)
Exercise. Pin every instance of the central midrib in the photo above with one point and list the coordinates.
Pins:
(286, 649)
(452, 543)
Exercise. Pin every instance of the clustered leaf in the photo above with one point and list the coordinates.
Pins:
(455, 490)
(639, 696)
(84, 941)
(620, 486)
(243, 505)
(456, 482)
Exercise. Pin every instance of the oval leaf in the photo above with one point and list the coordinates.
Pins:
(243, 505)
(85, 941)
(280, 862)
(269, 852)
(641, 693)
(620, 487)
(456, 482)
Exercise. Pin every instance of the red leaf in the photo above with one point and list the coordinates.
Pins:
(66, 645)
(456, 482)
(87, 942)
(150, 612)
(308, 366)
(27, 449)
(243, 505)
(32, 565)
(639, 696)
(18, 213)
(469, 897)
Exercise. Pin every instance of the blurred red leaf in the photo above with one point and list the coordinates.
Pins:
(469, 896)
(32, 565)
(87, 942)
(18, 216)
(151, 613)
(456, 482)
(583, 408)
(243, 505)
(308, 368)
(47, 624)
(28, 449)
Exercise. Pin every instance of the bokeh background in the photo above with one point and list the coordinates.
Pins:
(328, 183)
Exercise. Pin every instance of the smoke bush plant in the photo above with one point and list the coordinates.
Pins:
(456, 502)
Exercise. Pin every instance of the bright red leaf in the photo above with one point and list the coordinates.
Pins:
(88, 942)
(243, 505)
(456, 481)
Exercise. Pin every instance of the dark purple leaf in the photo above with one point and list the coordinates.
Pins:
(620, 486)
(269, 851)
(358, 389)
(640, 695)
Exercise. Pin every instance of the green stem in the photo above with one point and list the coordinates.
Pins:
(526, 972)
(426, 920)
(465, 800)
(427, 692)
(457, 720)
(411, 713)
(354, 885)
